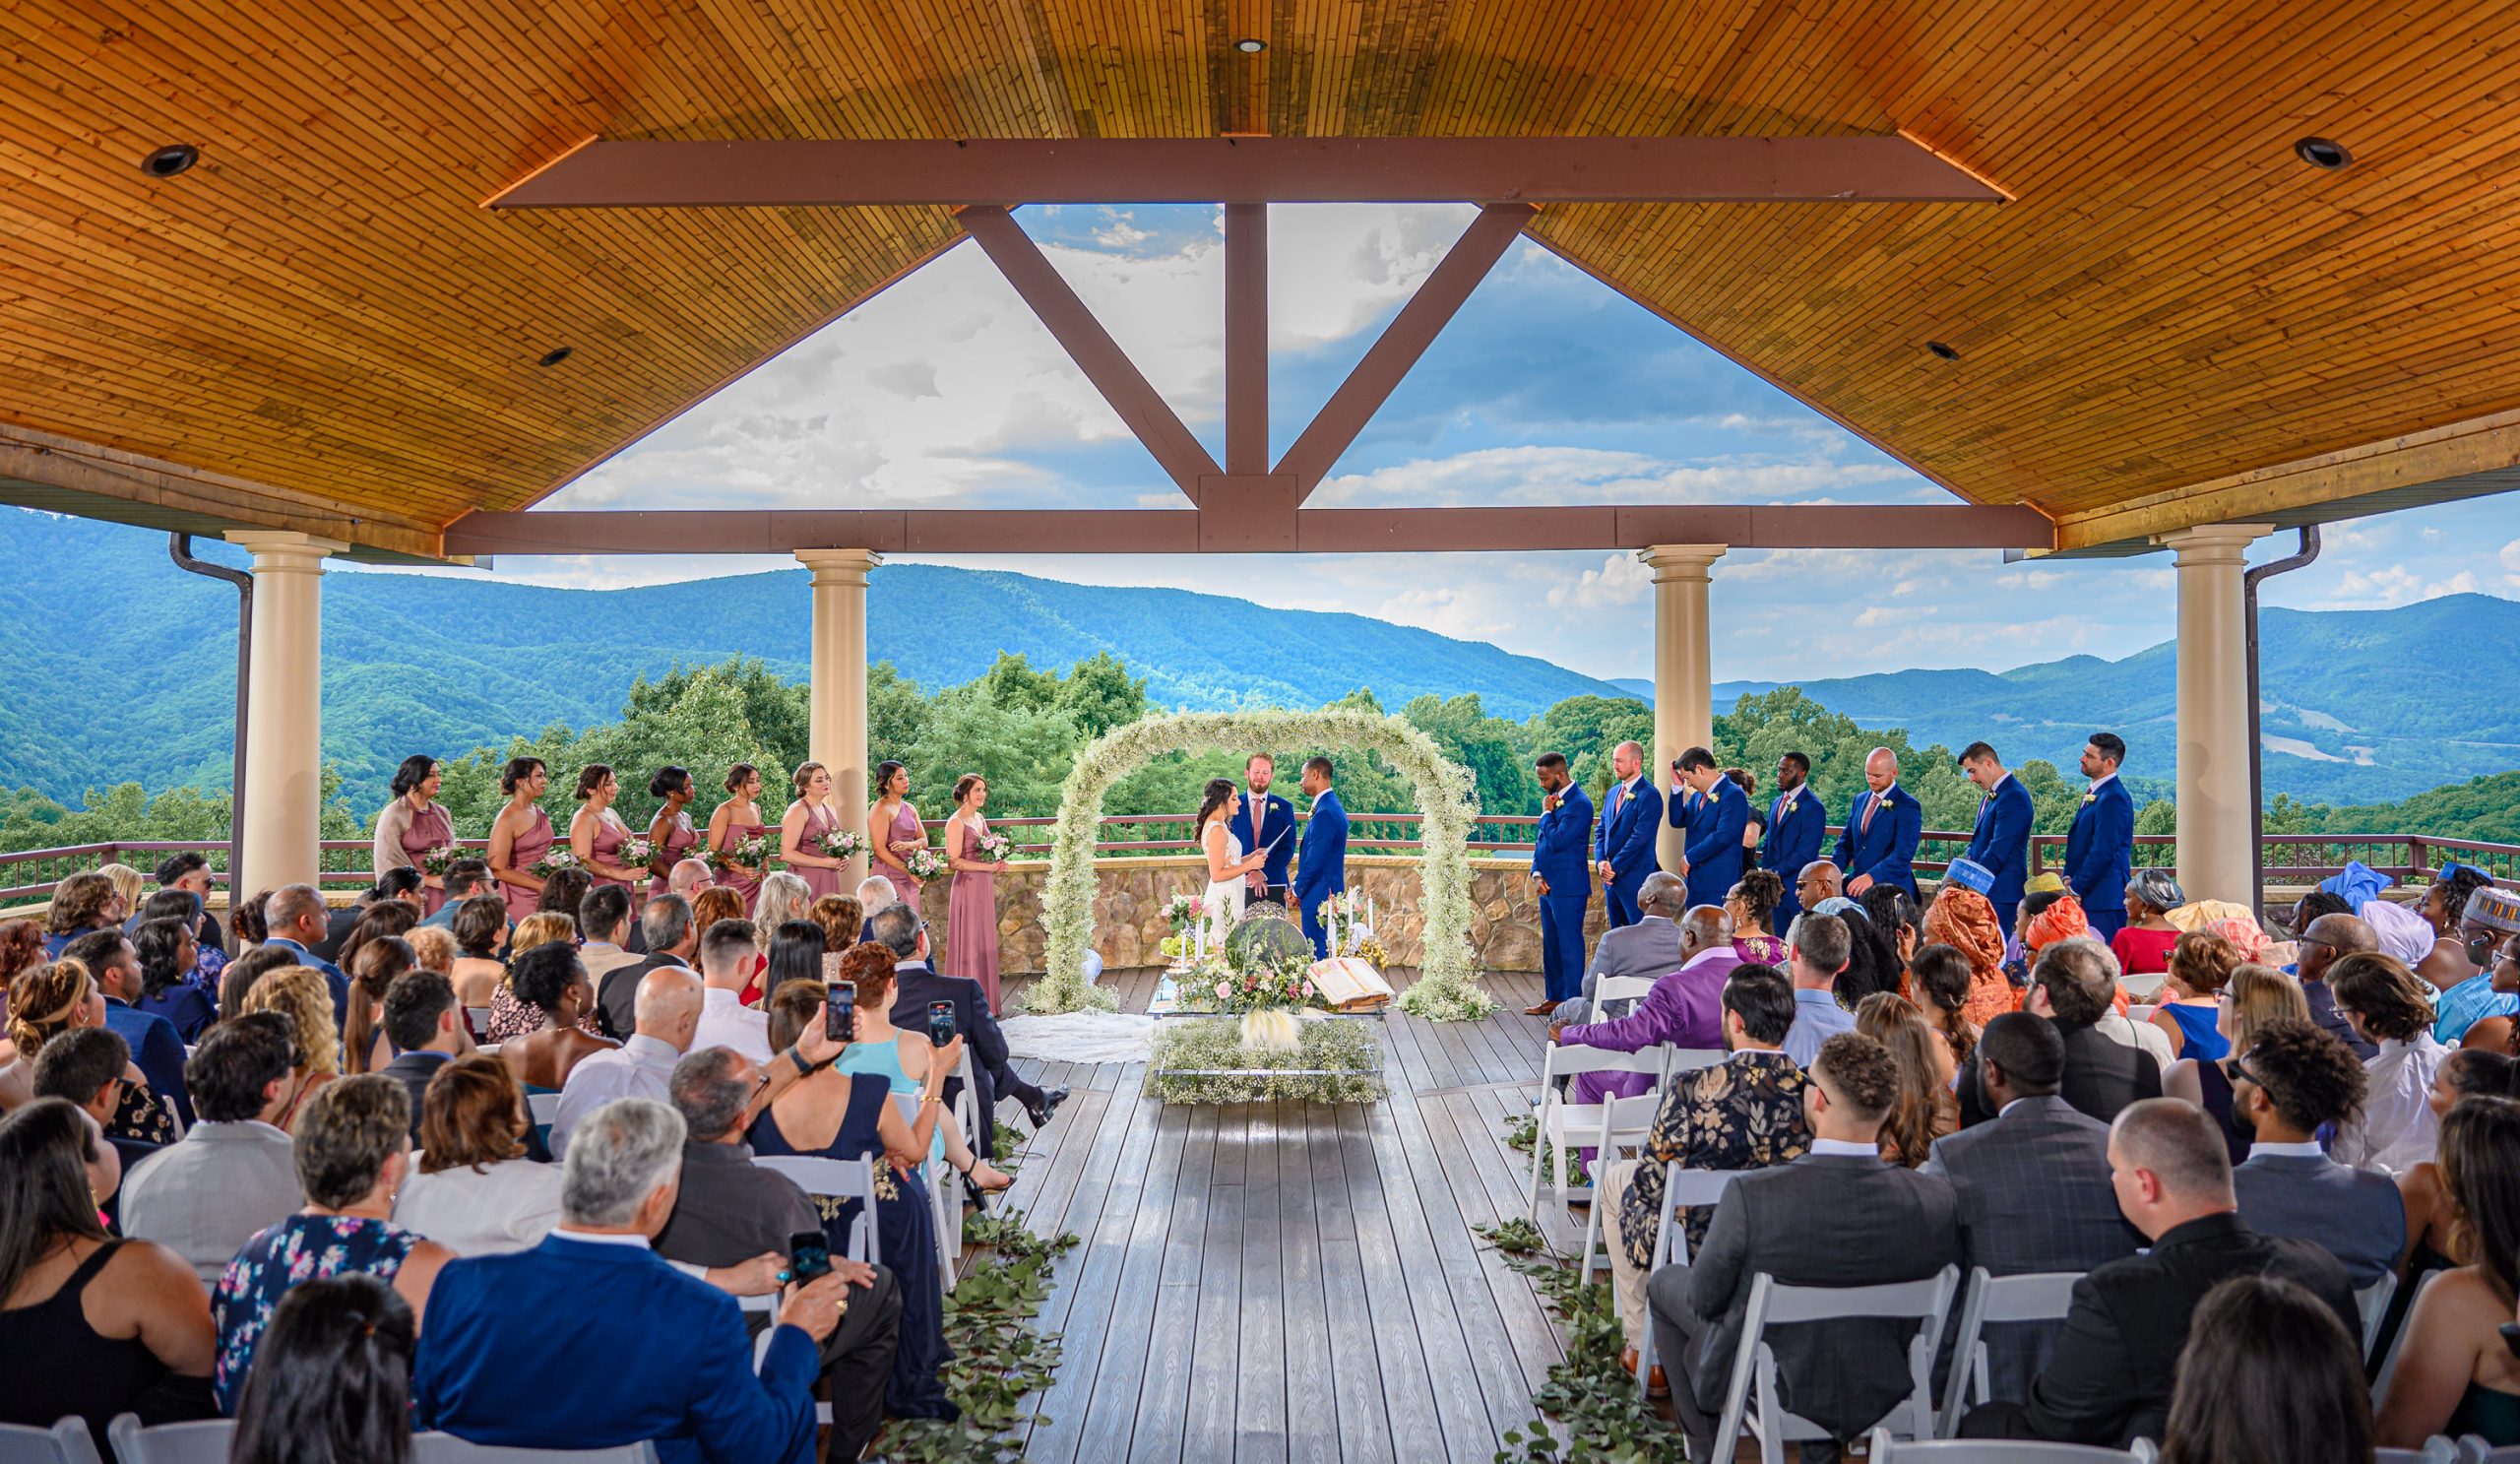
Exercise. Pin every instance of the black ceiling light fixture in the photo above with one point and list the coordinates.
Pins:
(2319, 153)
(555, 357)
(1251, 45)
(1942, 351)
(171, 161)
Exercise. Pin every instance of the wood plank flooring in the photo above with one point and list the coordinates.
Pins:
(1291, 1283)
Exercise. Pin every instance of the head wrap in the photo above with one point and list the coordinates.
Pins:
(2495, 908)
(2196, 914)
(2452, 868)
(1961, 917)
(2403, 932)
(1969, 874)
(2044, 882)
(2159, 888)
(2062, 921)
(1841, 906)
(2358, 882)
(2243, 931)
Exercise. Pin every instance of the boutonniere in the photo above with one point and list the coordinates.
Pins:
(2090, 798)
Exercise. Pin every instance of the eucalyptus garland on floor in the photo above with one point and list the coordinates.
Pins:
(1589, 1398)
(1447, 986)
(999, 1360)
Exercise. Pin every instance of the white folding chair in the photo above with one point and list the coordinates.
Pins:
(2037, 1296)
(1885, 1450)
(1629, 988)
(2397, 1345)
(2436, 1450)
(67, 1441)
(205, 1443)
(1773, 1303)
(836, 1179)
(446, 1449)
(1561, 1125)
(1679, 1187)
(1625, 1124)
(479, 1018)
(2470, 1449)
(947, 1211)
(2373, 1303)
(2140, 1013)
(544, 1106)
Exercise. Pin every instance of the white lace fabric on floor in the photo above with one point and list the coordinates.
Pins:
(1080, 1037)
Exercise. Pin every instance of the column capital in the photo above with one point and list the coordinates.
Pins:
(2213, 544)
(1681, 561)
(840, 566)
(285, 550)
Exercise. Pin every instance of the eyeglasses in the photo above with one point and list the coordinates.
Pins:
(2239, 1071)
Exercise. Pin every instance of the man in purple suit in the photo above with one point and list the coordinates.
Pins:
(1685, 1008)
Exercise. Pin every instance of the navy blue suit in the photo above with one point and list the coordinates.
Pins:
(1886, 848)
(1713, 821)
(1558, 857)
(1275, 818)
(1322, 869)
(1630, 823)
(577, 1344)
(2099, 850)
(334, 981)
(2001, 842)
(1795, 832)
(157, 1050)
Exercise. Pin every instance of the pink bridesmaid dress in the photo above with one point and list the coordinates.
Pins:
(681, 841)
(611, 833)
(529, 846)
(971, 921)
(430, 828)
(903, 828)
(820, 823)
(746, 887)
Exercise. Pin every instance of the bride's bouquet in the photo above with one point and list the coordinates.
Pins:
(750, 853)
(927, 863)
(841, 844)
(439, 859)
(557, 857)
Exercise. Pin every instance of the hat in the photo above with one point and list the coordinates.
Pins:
(2402, 933)
(2495, 908)
(1969, 874)
(2044, 882)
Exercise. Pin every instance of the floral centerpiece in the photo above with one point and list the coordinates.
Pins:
(557, 857)
(750, 851)
(439, 859)
(1181, 911)
(927, 863)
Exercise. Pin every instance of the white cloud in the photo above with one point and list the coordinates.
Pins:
(1555, 474)
(1622, 579)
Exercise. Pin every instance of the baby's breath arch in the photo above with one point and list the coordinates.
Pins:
(1447, 987)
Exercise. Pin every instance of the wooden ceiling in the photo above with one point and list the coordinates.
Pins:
(2173, 302)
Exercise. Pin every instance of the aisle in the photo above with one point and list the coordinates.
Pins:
(1292, 1282)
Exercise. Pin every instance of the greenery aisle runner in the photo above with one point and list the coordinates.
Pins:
(1592, 1411)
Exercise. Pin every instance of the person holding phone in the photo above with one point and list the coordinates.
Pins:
(907, 1060)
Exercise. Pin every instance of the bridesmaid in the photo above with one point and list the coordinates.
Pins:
(809, 821)
(597, 833)
(893, 830)
(520, 835)
(413, 824)
(670, 836)
(971, 912)
(737, 819)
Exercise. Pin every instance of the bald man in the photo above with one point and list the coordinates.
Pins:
(2329, 940)
(665, 1014)
(1685, 1008)
(1883, 824)
(1631, 820)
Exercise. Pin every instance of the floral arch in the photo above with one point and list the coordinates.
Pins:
(1447, 987)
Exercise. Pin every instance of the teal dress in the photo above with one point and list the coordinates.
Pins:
(883, 1059)
(2489, 1413)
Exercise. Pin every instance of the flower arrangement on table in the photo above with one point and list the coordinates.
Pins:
(751, 852)
(1351, 930)
(927, 863)
(840, 844)
(557, 857)
(439, 859)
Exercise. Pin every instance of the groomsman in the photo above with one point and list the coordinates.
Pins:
(1883, 824)
(2001, 840)
(1276, 818)
(1321, 868)
(1797, 820)
(1631, 818)
(2101, 847)
(1563, 884)
(1717, 813)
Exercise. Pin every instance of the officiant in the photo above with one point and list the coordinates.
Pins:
(1265, 817)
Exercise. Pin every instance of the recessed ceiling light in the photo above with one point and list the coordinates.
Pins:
(1251, 45)
(555, 357)
(1942, 351)
(2319, 153)
(169, 161)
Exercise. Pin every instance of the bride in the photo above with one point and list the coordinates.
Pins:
(1227, 863)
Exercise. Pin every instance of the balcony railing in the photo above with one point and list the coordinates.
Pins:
(29, 875)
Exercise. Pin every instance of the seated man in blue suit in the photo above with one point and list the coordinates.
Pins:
(1883, 824)
(591, 1340)
(1631, 820)
(1716, 815)
(1797, 822)
(1321, 866)
(1273, 830)
(2001, 841)
(1561, 879)
(2101, 846)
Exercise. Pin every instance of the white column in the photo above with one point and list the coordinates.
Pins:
(836, 736)
(2214, 856)
(1683, 668)
(281, 814)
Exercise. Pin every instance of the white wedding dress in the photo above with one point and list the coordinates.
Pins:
(1225, 897)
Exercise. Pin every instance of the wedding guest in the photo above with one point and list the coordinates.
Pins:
(87, 1067)
(1561, 878)
(1648, 946)
(1683, 1010)
(520, 835)
(1754, 825)
(60, 996)
(2386, 1004)
(244, 973)
(412, 825)
(2327, 939)
(245, 924)
(715, 904)
(1882, 827)
(562, 895)
(597, 833)
(1872, 963)
(842, 919)
(665, 1015)
(333, 1378)
(2001, 842)
(391, 921)
(468, 877)
(734, 820)
(2475, 999)
(906, 1058)
(2295, 1080)
(542, 928)
(476, 1193)
(296, 917)
(93, 1326)
(186, 872)
(1926, 1109)
(2071, 985)
(1752, 904)
(602, 917)
(2455, 1375)
(481, 926)
(1895, 915)
(784, 897)
(1819, 952)
(673, 940)
(21, 947)
(2430, 1218)
(168, 956)
(2269, 1376)
(2450, 963)
(894, 831)
(299, 994)
(918, 986)
(726, 949)
(806, 829)
(874, 892)
(970, 918)
(130, 887)
(157, 1048)
(398, 886)
(235, 1172)
(353, 1148)
(82, 903)
(550, 982)
(432, 946)
(1938, 983)
(363, 1045)
(2192, 999)
(1962, 919)
(2143, 944)
(670, 834)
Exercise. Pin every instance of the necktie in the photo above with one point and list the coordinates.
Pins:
(1868, 811)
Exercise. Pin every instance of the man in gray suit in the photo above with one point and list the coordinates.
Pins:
(2292, 1079)
(2032, 1183)
(236, 1170)
(1649, 948)
(1836, 1217)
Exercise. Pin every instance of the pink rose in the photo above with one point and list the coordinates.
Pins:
(1224, 991)
(1307, 989)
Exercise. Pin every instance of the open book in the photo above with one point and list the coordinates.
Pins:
(1349, 984)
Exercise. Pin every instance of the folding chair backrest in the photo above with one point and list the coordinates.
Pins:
(479, 1017)
(2140, 1013)
(1786, 1305)
(67, 1441)
(2397, 1345)
(836, 1179)
(1888, 1451)
(2372, 1301)
(1691, 1060)
(1621, 989)
(1773, 1303)
(446, 1449)
(2472, 1449)
(2037, 1296)
(544, 1106)
(2435, 1450)
(205, 1443)
(1566, 1060)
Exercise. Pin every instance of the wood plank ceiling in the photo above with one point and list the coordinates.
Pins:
(2175, 298)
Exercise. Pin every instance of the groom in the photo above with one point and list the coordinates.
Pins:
(1264, 816)
(1321, 866)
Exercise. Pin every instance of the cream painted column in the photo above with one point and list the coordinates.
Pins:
(837, 735)
(1683, 668)
(283, 815)
(2214, 857)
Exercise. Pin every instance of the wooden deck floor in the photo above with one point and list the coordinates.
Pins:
(1292, 1282)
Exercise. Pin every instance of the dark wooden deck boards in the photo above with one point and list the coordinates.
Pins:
(1290, 1283)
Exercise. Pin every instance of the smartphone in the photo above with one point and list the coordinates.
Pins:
(808, 1255)
(840, 1012)
(940, 1023)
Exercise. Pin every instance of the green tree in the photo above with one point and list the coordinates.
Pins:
(1492, 748)
(1585, 729)
(1012, 682)
(1023, 750)
(1100, 695)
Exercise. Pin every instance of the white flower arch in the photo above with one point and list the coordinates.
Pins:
(1447, 987)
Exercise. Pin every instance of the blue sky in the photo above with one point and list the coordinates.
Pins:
(1547, 388)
